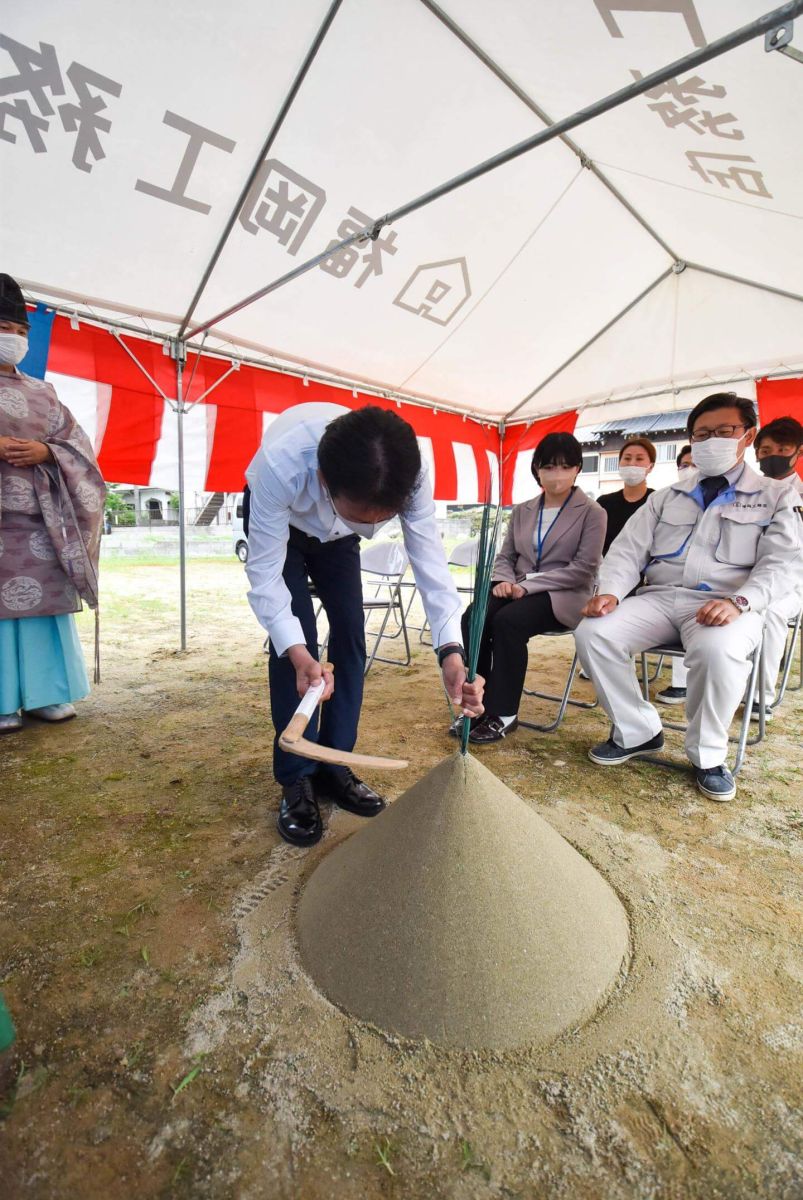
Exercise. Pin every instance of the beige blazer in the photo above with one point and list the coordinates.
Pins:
(570, 559)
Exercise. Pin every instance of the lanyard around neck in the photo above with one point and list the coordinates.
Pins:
(541, 539)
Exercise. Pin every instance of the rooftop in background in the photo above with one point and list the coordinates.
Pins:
(651, 425)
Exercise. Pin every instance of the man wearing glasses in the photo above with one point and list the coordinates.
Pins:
(715, 548)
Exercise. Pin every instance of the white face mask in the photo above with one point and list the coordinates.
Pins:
(556, 479)
(13, 348)
(716, 455)
(358, 527)
(633, 476)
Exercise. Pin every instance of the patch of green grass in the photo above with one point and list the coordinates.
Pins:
(179, 1171)
(77, 1093)
(384, 1151)
(134, 1056)
(7, 1106)
(192, 1074)
(471, 1163)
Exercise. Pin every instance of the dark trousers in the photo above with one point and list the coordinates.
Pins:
(509, 625)
(334, 569)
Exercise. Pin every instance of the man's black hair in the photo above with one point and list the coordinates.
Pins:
(684, 450)
(747, 409)
(557, 450)
(787, 431)
(370, 456)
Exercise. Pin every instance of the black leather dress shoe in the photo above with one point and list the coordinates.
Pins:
(491, 729)
(456, 727)
(343, 788)
(299, 816)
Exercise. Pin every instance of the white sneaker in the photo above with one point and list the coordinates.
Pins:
(53, 712)
(10, 722)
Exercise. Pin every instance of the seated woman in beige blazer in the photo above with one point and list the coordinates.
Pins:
(543, 575)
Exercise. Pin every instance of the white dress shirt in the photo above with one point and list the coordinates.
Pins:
(286, 490)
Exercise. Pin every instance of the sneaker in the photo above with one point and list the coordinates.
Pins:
(756, 709)
(52, 712)
(10, 722)
(671, 695)
(716, 783)
(608, 754)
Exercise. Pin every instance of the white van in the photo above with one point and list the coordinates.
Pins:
(238, 538)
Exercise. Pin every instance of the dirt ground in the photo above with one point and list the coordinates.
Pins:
(173, 1046)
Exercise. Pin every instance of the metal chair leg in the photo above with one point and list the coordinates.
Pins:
(743, 740)
(645, 678)
(562, 701)
(395, 604)
(786, 663)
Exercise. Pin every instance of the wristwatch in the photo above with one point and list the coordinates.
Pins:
(741, 602)
(450, 648)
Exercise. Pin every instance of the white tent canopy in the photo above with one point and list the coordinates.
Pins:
(658, 248)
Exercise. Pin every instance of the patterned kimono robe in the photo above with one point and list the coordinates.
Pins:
(50, 515)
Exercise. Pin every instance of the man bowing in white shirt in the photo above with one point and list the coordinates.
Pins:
(324, 477)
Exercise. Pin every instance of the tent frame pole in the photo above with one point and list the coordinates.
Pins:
(600, 332)
(654, 393)
(347, 383)
(134, 359)
(738, 37)
(263, 154)
(677, 269)
(542, 116)
(178, 352)
(761, 287)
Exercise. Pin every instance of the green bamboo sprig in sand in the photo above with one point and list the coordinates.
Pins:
(483, 573)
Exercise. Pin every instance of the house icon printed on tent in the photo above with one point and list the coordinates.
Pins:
(436, 291)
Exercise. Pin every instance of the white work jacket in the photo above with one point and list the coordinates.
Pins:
(748, 542)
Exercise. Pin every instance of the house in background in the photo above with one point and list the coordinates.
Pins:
(158, 506)
(149, 505)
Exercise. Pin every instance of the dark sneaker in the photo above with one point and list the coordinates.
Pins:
(299, 816)
(343, 788)
(671, 695)
(491, 729)
(716, 783)
(756, 709)
(608, 754)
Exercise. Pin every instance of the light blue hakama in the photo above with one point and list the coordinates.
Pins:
(41, 662)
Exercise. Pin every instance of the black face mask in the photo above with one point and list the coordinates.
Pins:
(776, 465)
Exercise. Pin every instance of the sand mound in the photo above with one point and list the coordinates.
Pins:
(461, 916)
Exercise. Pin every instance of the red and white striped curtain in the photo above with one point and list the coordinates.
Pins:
(135, 431)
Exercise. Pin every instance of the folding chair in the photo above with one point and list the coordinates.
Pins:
(384, 563)
(786, 662)
(563, 701)
(464, 554)
(742, 741)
